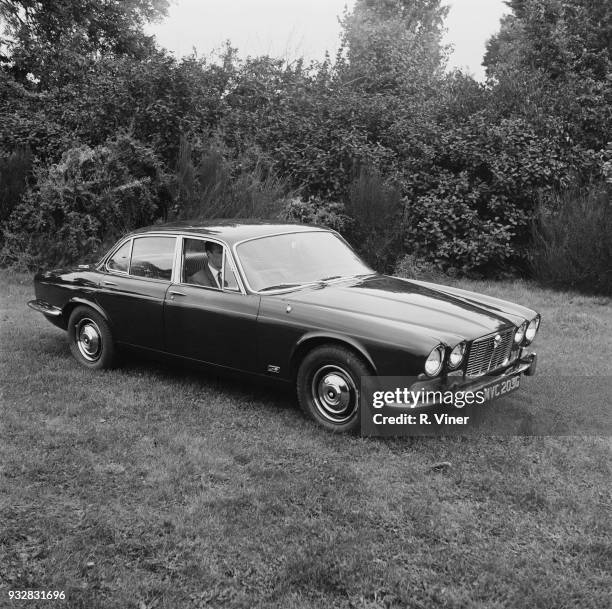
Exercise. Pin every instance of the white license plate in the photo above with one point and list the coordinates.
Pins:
(501, 387)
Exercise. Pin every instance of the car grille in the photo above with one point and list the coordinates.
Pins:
(485, 355)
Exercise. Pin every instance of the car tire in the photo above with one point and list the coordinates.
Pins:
(90, 339)
(328, 386)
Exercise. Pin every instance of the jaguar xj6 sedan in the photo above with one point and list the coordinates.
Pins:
(293, 302)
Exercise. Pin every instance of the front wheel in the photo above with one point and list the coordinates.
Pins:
(90, 339)
(328, 385)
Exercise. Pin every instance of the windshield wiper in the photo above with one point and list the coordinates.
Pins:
(331, 278)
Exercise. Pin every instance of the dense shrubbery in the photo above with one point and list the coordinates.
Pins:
(377, 228)
(572, 244)
(87, 200)
(378, 144)
(14, 171)
(413, 267)
(210, 184)
(316, 211)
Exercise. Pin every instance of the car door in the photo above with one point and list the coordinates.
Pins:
(208, 321)
(133, 289)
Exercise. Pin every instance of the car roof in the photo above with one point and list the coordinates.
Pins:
(230, 231)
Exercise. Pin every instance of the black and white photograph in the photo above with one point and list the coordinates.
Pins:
(306, 304)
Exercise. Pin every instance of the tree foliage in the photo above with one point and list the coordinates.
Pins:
(552, 62)
(393, 44)
(88, 199)
(41, 37)
(559, 38)
(379, 143)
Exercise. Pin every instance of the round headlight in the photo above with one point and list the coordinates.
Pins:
(519, 335)
(433, 364)
(456, 356)
(532, 329)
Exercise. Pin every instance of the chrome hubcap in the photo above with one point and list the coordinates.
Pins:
(89, 340)
(334, 394)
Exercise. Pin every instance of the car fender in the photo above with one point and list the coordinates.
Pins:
(78, 300)
(320, 337)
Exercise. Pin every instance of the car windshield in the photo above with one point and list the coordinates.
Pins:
(295, 259)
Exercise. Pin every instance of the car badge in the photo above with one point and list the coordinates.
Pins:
(497, 340)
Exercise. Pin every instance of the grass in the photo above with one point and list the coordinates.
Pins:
(152, 486)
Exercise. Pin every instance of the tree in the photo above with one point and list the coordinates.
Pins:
(40, 36)
(557, 37)
(552, 62)
(393, 44)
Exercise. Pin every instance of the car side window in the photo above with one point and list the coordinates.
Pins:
(153, 257)
(205, 263)
(120, 260)
(229, 278)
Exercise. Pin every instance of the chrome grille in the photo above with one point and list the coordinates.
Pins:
(485, 356)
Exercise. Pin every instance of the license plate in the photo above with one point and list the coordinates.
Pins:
(501, 387)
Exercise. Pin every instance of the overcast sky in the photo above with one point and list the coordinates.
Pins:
(306, 28)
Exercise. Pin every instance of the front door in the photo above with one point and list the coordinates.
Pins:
(207, 316)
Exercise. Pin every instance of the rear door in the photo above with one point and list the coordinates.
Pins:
(210, 323)
(133, 289)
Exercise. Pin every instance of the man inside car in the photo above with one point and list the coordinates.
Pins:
(210, 274)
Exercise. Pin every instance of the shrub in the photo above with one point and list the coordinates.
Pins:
(375, 208)
(413, 267)
(447, 227)
(14, 171)
(573, 240)
(316, 211)
(210, 185)
(88, 199)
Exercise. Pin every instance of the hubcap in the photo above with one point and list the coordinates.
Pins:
(334, 394)
(89, 339)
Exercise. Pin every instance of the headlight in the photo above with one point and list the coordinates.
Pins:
(456, 356)
(532, 329)
(519, 335)
(433, 364)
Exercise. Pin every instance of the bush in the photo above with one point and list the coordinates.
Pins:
(210, 185)
(573, 240)
(88, 199)
(447, 227)
(375, 208)
(316, 211)
(413, 267)
(14, 171)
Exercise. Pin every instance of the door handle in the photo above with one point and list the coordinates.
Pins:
(177, 293)
(109, 283)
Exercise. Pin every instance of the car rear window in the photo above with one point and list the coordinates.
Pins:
(153, 257)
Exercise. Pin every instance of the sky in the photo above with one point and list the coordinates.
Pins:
(306, 28)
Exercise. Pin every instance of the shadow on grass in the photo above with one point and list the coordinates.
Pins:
(234, 385)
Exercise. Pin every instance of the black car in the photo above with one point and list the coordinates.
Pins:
(288, 301)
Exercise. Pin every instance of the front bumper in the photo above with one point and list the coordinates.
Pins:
(526, 364)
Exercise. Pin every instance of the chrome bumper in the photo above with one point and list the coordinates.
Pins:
(526, 364)
(45, 308)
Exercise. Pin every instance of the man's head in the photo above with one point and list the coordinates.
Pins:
(215, 254)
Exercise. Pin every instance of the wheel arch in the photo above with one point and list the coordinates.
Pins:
(312, 340)
(78, 301)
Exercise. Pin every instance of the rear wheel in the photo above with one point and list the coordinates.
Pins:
(328, 386)
(90, 339)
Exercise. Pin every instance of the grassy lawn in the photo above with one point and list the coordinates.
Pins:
(153, 486)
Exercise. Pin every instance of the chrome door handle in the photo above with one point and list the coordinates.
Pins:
(177, 293)
(109, 283)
